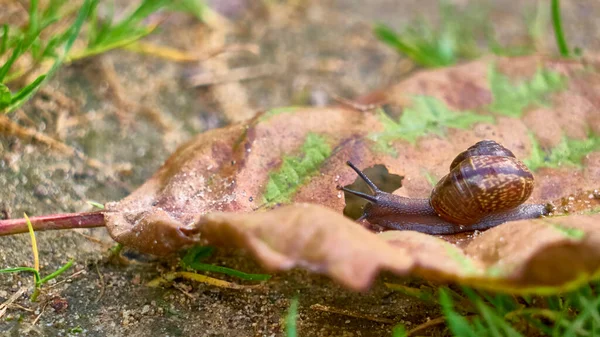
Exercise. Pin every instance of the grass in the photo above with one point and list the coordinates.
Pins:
(463, 35)
(296, 170)
(46, 42)
(561, 42)
(473, 313)
(38, 281)
(512, 99)
(192, 258)
(290, 321)
(425, 115)
(430, 47)
(569, 152)
(26, 40)
(470, 312)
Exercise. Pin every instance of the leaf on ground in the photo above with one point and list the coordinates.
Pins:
(248, 185)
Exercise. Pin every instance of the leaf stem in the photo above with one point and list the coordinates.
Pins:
(52, 222)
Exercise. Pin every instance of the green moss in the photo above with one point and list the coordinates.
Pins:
(426, 115)
(568, 152)
(267, 115)
(511, 99)
(572, 233)
(431, 179)
(294, 171)
(496, 271)
(465, 262)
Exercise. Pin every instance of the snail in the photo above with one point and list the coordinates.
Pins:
(486, 186)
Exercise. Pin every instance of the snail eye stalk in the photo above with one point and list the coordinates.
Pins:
(372, 186)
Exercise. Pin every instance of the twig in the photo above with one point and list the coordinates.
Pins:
(234, 75)
(11, 299)
(183, 291)
(232, 97)
(431, 323)
(177, 55)
(38, 317)
(426, 325)
(163, 52)
(9, 127)
(169, 277)
(95, 240)
(70, 277)
(102, 286)
(354, 314)
(124, 106)
(354, 105)
(20, 307)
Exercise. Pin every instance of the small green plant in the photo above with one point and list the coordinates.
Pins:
(41, 40)
(19, 42)
(561, 41)
(466, 34)
(511, 99)
(569, 152)
(290, 319)
(426, 115)
(471, 312)
(38, 280)
(196, 254)
(430, 47)
(104, 34)
(295, 170)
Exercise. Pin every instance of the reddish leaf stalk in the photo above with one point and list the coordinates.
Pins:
(52, 222)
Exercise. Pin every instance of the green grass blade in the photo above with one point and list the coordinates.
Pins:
(13, 57)
(22, 269)
(70, 37)
(197, 8)
(230, 272)
(561, 42)
(24, 92)
(33, 29)
(4, 41)
(57, 272)
(488, 316)
(290, 319)
(126, 29)
(51, 12)
(95, 204)
(194, 255)
(399, 331)
(457, 324)
(92, 33)
(5, 96)
(390, 37)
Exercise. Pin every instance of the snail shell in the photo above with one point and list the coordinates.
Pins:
(485, 179)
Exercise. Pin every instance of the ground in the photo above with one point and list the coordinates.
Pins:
(129, 111)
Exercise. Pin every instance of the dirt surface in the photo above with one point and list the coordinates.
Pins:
(129, 111)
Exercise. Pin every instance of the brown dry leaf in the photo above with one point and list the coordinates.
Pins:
(221, 186)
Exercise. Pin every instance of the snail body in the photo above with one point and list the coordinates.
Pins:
(486, 186)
